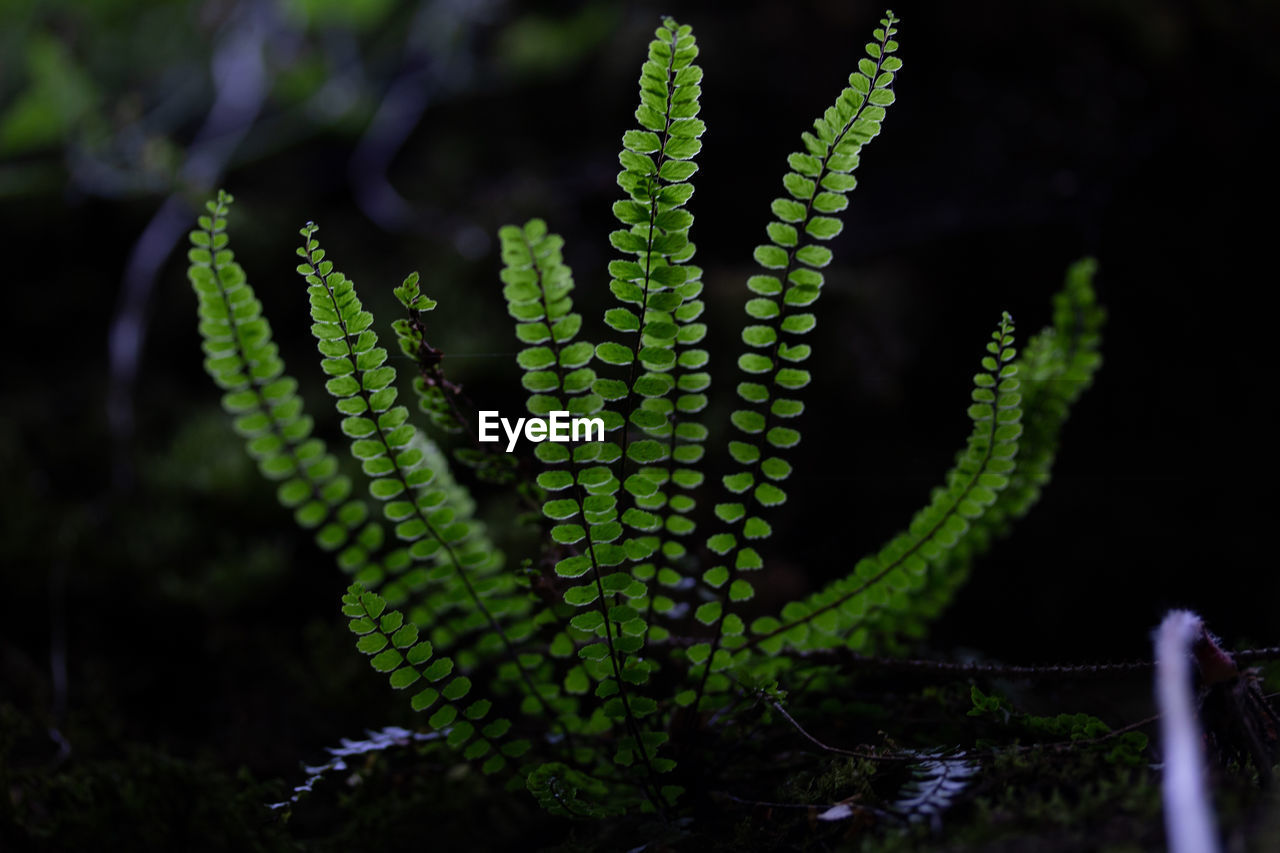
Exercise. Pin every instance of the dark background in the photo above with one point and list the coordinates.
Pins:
(183, 613)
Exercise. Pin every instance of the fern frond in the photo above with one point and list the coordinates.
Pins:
(397, 650)
(244, 361)
(934, 786)
(888, 581)
(471, 608)
(663, 386)
(1056, 367)
(657, 165)
(582, 497)
(820, 179)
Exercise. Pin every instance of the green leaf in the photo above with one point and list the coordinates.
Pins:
(799, 187)
(765, 285)
(708, 613)
(715, 577)
(457, 688)
(771, 257)
(536, 358)
(621, 320)
(614, 353)
(762, 309)
(759, 336)
(770, 495)
(783, 437)
(676, 171)
(373, 604)
(575, 355)
(371, 643)
(404, 677)
(823, 227)
(641, 141)
(387, 660)
(425, 699)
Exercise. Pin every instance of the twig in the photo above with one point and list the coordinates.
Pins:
(962, 670)
(1057, 746)
(954, 668)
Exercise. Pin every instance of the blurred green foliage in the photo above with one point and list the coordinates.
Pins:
(356, 15)
(58, 97)
(115, 89)
(535, 44)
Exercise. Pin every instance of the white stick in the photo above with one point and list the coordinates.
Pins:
(1188, 818)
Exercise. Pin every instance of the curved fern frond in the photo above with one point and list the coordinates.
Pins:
(885, 582)
(471, 608)
(244, 361)
(820, 179)
(1057, 366)
(397, 650)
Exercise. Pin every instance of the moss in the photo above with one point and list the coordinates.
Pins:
(139, 798)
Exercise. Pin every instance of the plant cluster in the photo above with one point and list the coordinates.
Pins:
(599, 671)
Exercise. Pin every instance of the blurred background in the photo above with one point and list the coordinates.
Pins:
(172, 647)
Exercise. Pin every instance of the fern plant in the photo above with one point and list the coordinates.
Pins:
(593, 671)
